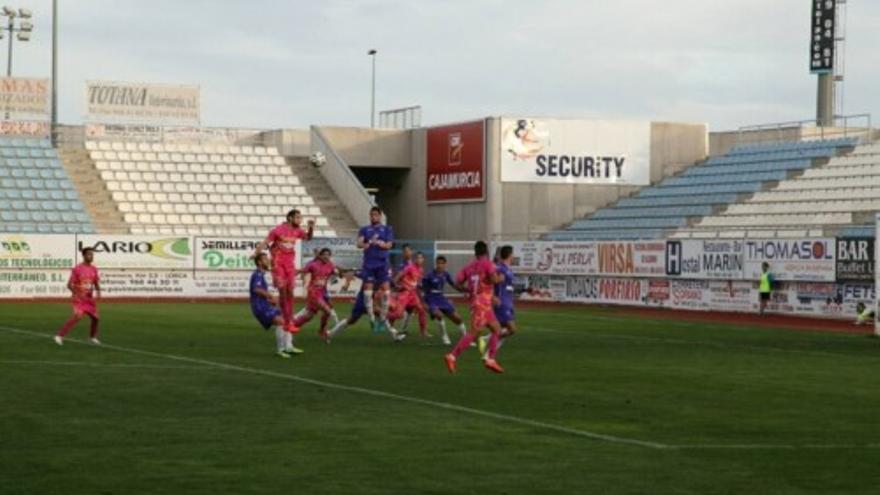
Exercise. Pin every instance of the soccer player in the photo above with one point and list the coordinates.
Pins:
(503, 301)
(408, 282)
(360, 309)
(263, 307)
(282, 244)
(438, 305)
(376, 240)
(85, 287)
(765, 287)
(319, 271)
(478, 278)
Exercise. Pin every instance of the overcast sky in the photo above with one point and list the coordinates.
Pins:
(293, 63)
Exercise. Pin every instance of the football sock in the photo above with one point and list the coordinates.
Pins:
(406, 317)
(68, 325)
(423, 320)
(280, 339)
(462, 328)
(463, 344)
(442, 324)
(383, 309)
(493, 346)
(93, 329)
(339, 328)
(324, 318)
(334, 317)
(368, 303)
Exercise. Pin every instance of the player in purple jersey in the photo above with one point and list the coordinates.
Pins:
(376, 240)
(437, 303)
(503, 300)
(263, 306)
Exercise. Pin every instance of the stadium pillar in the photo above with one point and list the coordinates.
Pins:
(825, 101)
(53, 133)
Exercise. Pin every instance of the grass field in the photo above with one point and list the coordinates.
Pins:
(188, 398)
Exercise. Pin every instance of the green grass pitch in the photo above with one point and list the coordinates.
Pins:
(189, 398)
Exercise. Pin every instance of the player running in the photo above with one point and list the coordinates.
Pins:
(437, 303)
(503, 302)
(376, 240)
(281, 242)
(85, 288)
(478, 278)
(408, 282)
(319, 271)
(263, 307)
(360, 309)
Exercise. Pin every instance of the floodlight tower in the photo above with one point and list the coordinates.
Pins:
(24, 29)
(827, 41)
(372, 53)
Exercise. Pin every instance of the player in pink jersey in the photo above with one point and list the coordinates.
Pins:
(478, 279)
(84, 285)
(281, 242)
(408, 282)
(319, 271)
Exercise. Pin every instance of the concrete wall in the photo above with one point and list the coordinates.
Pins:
(290, 142)
(528, 210)
(521, 211)
(362, 147)
(414, 218)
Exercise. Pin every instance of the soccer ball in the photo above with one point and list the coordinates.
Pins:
(317, 159)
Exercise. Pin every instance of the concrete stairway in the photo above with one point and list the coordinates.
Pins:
(317, 187)
(95, 197)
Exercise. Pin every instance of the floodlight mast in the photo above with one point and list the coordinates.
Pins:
(24, 30)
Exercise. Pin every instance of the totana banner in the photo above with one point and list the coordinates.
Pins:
(119, 102)
(575, 151)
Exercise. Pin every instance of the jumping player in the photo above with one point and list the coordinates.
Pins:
(263, 307)
(408, 282)
(438, 305)
(282, 244)
(360, 309)
(319, 271)
(478, 278)
(85, 287)
(376, 240)
(503, 301)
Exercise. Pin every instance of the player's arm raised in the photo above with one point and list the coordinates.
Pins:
(310, 232)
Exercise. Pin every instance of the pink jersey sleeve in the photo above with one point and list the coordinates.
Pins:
(273, 236)
(74, 276)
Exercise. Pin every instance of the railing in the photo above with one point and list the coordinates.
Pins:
(342, 181)
(807, 129)
(401, 118)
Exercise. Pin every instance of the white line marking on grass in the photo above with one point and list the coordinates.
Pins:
(463, 409)
(371, 392)
(106, 365)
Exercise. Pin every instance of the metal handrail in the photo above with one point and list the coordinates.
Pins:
(780, 127)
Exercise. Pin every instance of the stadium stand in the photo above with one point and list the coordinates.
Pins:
(836, 197)
(201, 189)
(36, 193)
(678, 203)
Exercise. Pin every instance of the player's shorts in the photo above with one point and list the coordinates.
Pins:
(408, 300)
(481, 316)
(765, 296)
(83, 307)
(267, 317)
(442, 304)
(315, 298)
(376, 275)
(504, 314)
(283, 273)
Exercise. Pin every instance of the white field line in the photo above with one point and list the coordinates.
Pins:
(464, 409)
(104, 365)
(370, 392)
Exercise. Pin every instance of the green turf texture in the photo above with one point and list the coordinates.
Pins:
(803, 407)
